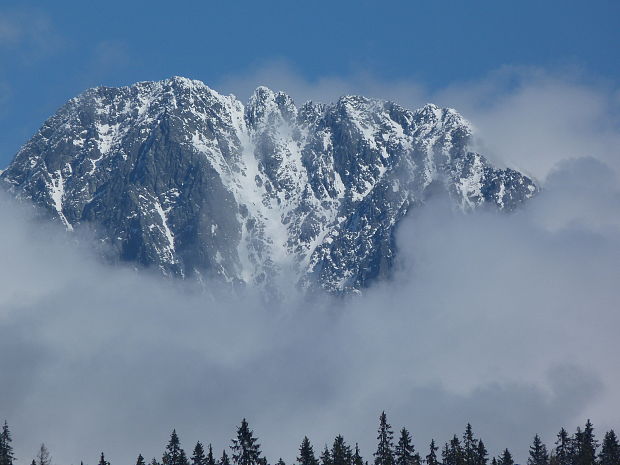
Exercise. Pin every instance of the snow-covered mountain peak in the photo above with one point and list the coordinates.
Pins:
(269, 108)
(174, 175)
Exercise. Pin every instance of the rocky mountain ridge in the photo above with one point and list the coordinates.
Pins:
(173, 175)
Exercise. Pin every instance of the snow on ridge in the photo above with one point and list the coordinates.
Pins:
(169, 250)
(56, 188)
(296, 179)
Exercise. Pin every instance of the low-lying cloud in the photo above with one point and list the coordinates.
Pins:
(528, 118)
(507, 321)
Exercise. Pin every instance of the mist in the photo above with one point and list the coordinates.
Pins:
(509, 322)
(528, 118)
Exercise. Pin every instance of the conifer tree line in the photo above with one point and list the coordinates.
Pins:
(580, 448)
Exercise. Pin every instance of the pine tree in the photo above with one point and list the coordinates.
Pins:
(306, 453)
(610, 452)
(405, 453)
(469, 446)
(280, 462)
(198, 456)
(154, 461)
(538, 453)
(6, 450)
(357, 457)
(575, 446)
(563, 449)
(210, 459)
(43, 456)
(481, 454)
(341, 453)
(174, 454)
(102, 460)
(385, 448)
(183, 458)
(506, 458)
(585, 446)
(140, 460)
(453, 453)
(431, 458)
(446, 456)
(245, 449)
(326, 457)
(224, 460)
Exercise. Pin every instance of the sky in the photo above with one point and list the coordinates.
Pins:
(50, 53)
(508, 322)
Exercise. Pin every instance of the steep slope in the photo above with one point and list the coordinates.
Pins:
(173, 175)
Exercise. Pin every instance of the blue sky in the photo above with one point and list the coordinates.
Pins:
(49, 52)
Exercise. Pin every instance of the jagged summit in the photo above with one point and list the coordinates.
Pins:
(174, 175)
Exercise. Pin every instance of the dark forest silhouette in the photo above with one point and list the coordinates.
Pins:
(580, 448)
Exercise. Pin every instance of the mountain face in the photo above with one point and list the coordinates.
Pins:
(175, 176)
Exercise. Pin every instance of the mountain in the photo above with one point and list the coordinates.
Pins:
(174, 176)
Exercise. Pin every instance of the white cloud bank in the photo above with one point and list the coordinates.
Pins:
(510, 322)
(528, 118)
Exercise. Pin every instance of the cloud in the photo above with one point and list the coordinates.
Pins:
(532, 118)
(27, 33)
(524, 117)
(507, 321)
(504, 321)
(110, 54)
(281, 75)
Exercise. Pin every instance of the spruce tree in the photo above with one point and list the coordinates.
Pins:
(6, 449)
(174, 454)
(385, 447)
(538, 453)
(431, 458)
(470, 446)
(453, 453)
(326, 457)
(224, 460)
(154, 461)
(405, 453)
(481, 454)
(43, 456)
(575, 446)
(102, 460)
(198, 456)
(446, 456)
(357, 457)
(506, 458)
(280, 462)
(341, 453)
(586, 444)
(140, 460)
(306, 453)
(610, 451)
(563, 449)
(210, 458)
(245, 449)
(183, 458)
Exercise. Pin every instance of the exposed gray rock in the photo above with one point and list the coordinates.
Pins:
(173, 175)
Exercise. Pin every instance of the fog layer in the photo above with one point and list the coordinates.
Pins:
(509, 322)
